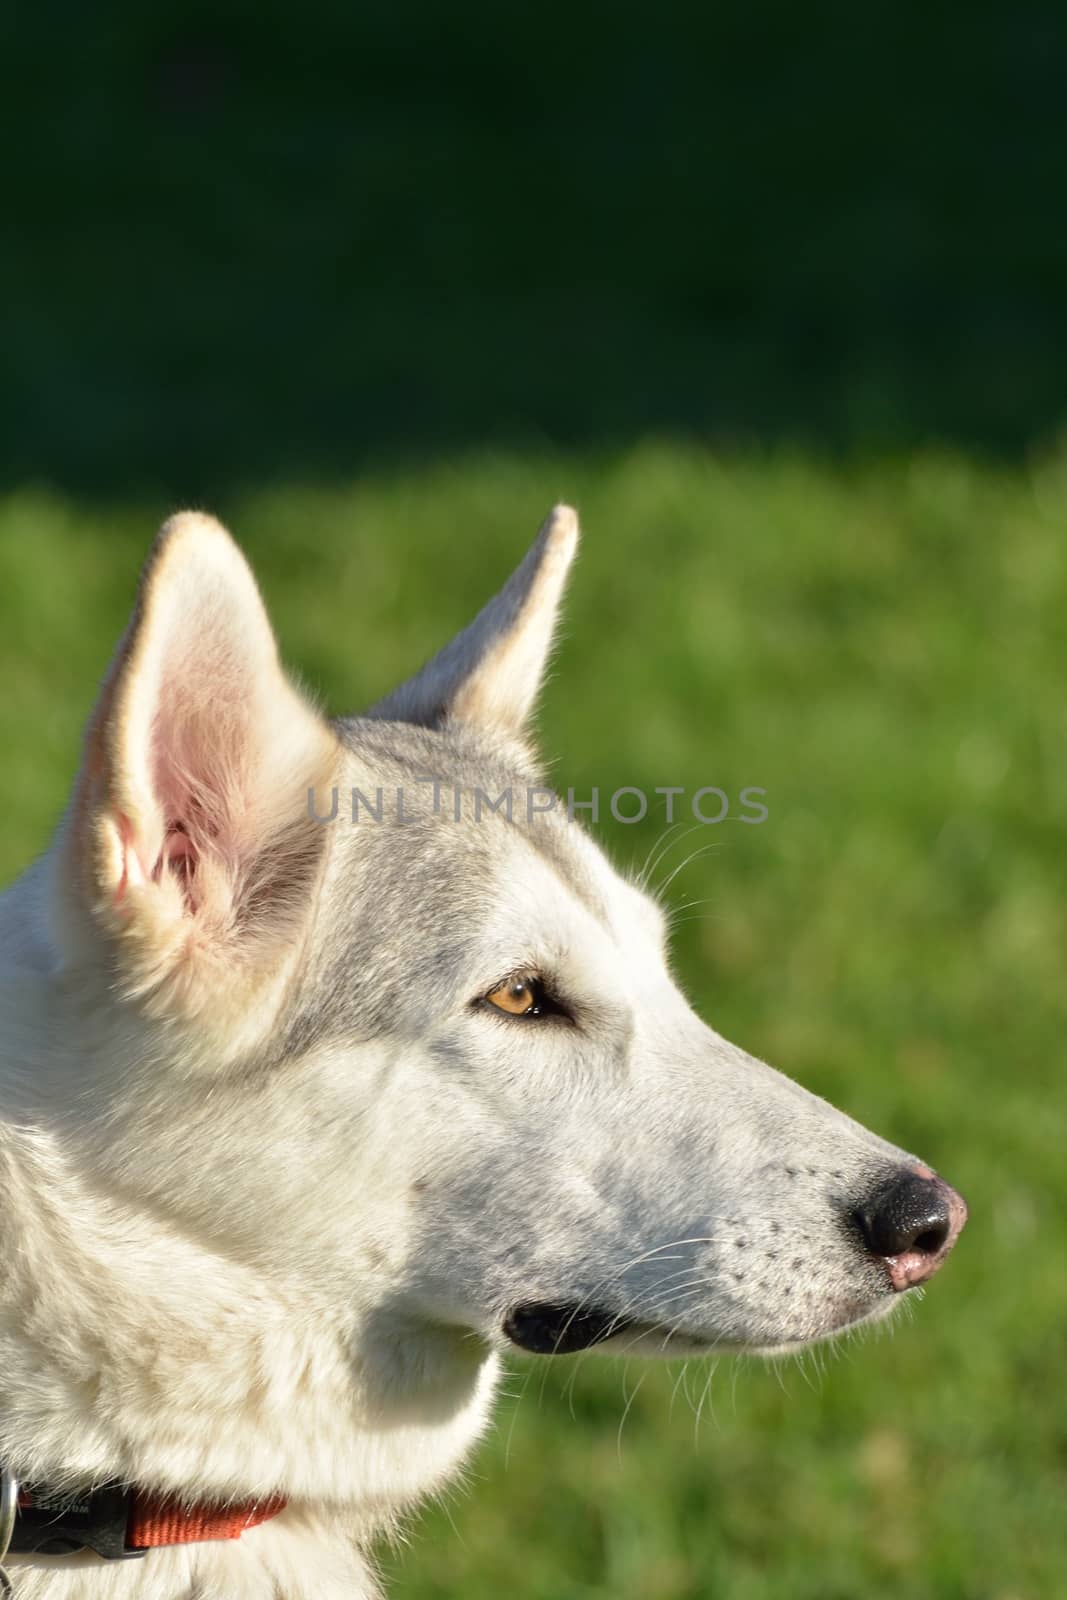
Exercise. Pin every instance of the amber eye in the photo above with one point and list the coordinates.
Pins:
(521, 996)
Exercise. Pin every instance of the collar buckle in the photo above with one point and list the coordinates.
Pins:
(59, 1524)
(9, 1501)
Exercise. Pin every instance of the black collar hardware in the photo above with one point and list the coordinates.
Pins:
(51, 1523)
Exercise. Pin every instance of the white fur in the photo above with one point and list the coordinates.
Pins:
(270, 1191)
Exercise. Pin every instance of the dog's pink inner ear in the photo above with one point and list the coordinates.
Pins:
(133, 868)
(179, 856)
(192, 741)
(192, 801)
(204, 758)
(190, 823)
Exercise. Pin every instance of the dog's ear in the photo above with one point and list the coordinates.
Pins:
(188, 841)
(490, 673)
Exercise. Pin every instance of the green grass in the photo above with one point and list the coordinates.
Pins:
(882, 647)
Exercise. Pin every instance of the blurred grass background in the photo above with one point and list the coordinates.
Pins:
(778, 300)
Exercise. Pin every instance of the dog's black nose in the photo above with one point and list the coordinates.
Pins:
(912, 1221)
(907, 1213)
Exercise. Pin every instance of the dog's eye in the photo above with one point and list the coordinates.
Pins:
(521, 996)
(524, 994)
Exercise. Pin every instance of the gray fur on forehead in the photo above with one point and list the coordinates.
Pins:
(456, 752)
(419, 891)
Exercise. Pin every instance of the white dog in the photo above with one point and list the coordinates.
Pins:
(305, 1120)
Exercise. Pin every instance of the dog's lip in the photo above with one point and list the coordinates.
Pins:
(561, 1328)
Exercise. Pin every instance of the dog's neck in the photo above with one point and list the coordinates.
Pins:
(304, 1554)
(129, 1352)
(139, 1345)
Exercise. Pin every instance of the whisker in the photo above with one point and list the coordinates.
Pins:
(678, 839)
(514, 1415)
(626, 1412)
(674, 1389)
(703, 850)
(613, 1277)
(700, 1408)
(688, 905)
(659, 848)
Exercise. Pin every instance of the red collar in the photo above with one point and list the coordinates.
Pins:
(155, 1521)
(119, 1522)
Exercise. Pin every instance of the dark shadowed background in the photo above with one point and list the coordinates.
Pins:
(244, 243)
(779, 298)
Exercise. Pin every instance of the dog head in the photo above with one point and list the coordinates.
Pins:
(431, 1063)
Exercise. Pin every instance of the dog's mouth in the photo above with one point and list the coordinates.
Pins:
(546, 1329)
